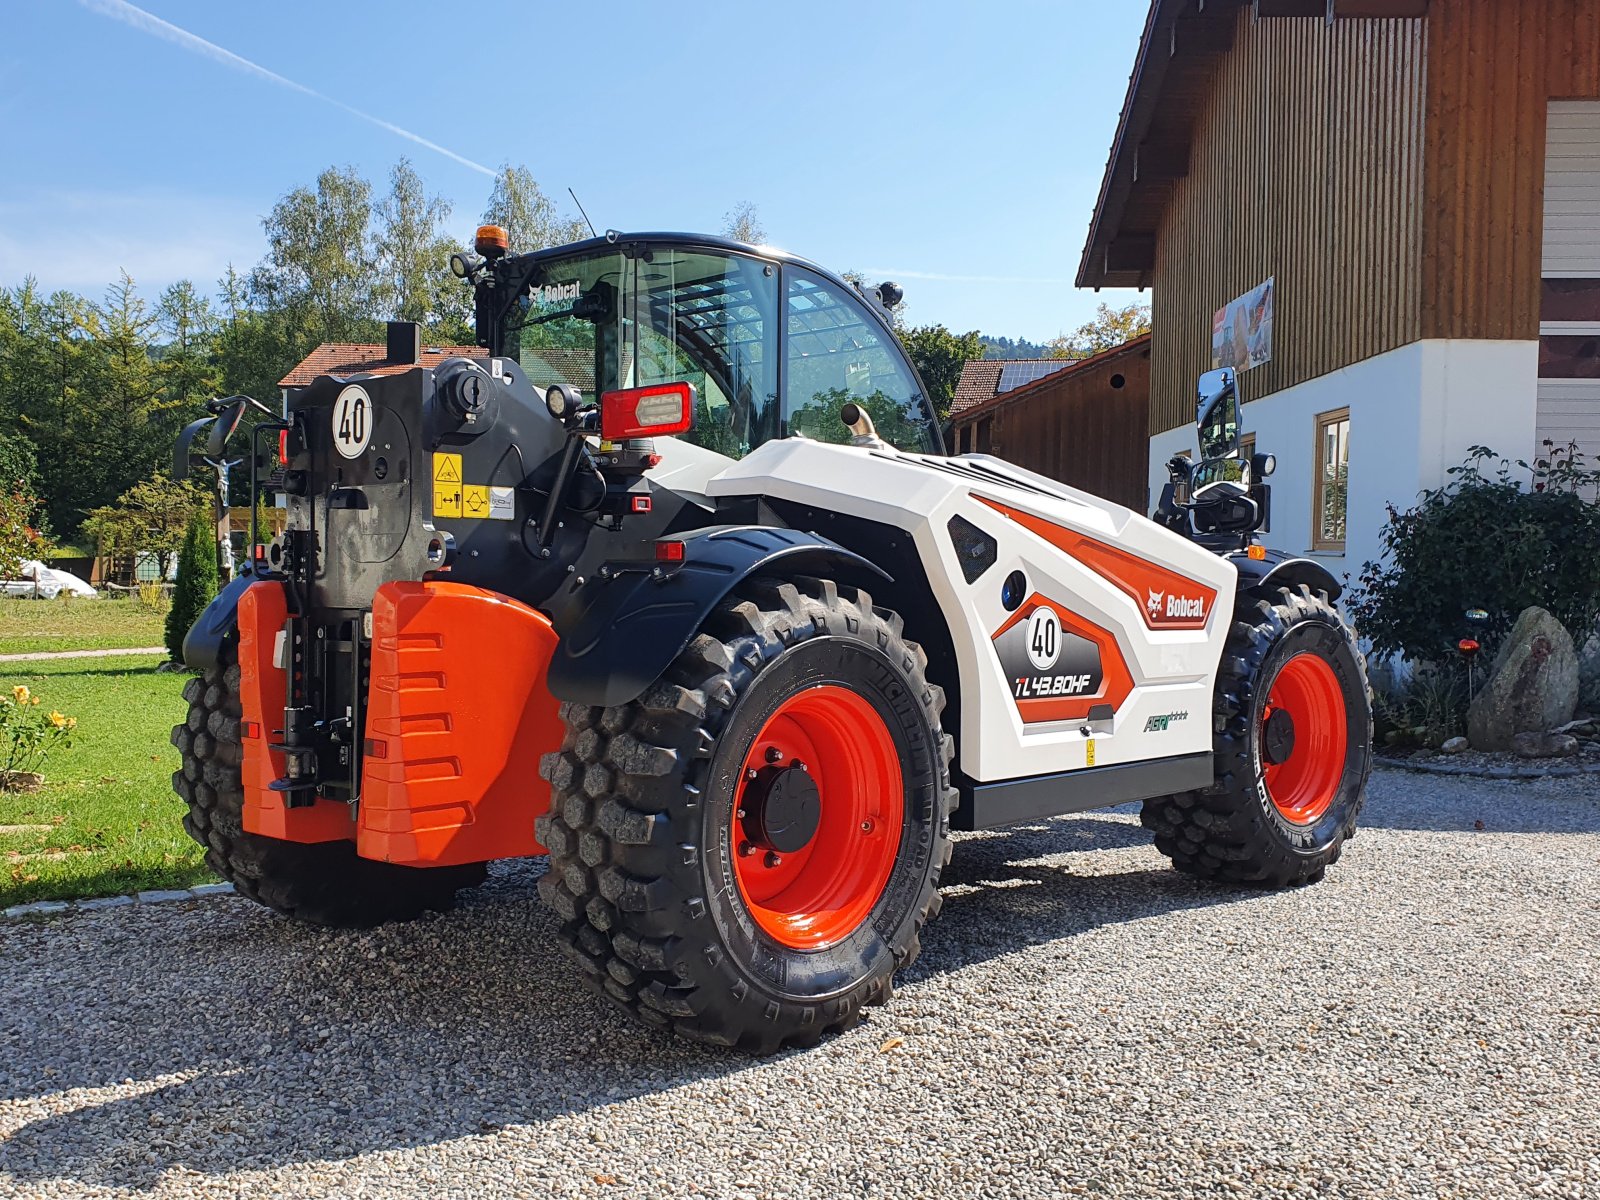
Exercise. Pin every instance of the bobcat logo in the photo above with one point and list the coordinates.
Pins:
(1153, 605)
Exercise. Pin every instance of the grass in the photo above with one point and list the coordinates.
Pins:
(27, 626)
(106, 820)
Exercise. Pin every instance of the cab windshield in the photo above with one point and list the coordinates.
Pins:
(771, 349)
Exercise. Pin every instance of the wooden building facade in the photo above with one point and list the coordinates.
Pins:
(1399, 170)
(1086, 425)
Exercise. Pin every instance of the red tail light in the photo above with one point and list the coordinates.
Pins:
(669, 552)
(654, 411)
(283, 446)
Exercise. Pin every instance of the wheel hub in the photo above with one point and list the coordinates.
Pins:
(1304, 738)
(1277, 742)
(782, 808)
(817, 817)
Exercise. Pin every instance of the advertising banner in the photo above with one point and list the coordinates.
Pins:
(1241, 331)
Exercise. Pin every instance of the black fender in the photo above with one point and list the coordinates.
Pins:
(203, 643)
(631, 622)
(1280, 569)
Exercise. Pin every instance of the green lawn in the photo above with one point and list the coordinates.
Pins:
(78, 624)
(110, 822)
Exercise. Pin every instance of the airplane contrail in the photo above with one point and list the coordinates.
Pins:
(138, 18)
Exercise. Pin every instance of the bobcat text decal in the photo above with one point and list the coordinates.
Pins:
(1166, 599)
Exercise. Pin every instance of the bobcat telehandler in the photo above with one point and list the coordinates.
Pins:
(675, 584)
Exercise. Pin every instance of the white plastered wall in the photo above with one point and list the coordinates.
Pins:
(1414, 413)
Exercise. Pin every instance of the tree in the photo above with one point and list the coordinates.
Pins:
(20, 539)
(19, 462)
(319, 264)
(1110, 327)
(253, 346)
(106, 420)
(519, 206)
(197, 580)
(413, 255)
(151, 517)
(20, 535)
(743, 224)
(187, 364)
(939, 356)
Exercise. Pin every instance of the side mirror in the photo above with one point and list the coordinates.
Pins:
(1217, 413)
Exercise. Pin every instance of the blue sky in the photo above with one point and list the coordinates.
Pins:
(955, 147)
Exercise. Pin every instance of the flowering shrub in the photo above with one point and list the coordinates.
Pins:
(28, 735)
(1499, 537)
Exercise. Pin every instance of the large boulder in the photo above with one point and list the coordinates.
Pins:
(1532, 688)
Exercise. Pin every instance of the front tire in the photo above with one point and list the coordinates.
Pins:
(748, 852)
(1293, 749)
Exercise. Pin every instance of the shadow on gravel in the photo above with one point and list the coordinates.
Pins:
(256, 1043)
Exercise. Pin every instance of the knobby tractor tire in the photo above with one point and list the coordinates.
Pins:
(666, 812)
(1292, 721)
(322, 883)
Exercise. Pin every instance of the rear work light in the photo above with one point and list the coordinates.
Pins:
(654, 411)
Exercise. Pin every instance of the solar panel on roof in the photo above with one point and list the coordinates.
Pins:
(1015, 374)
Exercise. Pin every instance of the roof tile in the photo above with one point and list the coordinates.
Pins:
(359, 358)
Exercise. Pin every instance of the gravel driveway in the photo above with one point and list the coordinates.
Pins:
(1082, 1020)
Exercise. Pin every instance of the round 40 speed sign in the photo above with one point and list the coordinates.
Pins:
(352, 421)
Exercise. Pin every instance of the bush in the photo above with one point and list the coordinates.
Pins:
(153, 596)
(197, 580)
(1427, 709)
(1485, 541)
(27, 736)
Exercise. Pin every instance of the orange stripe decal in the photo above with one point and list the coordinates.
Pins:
(1167, 599)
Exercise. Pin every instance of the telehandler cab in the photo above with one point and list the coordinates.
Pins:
(675, 584)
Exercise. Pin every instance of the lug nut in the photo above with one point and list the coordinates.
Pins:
(773, 858)
(740, 814)
(773, 754)
(752, 774)
(800, 766)
(746, 849)
(866, 827)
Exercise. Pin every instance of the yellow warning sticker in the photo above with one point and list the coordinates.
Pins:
(1088, 752)
(447, 499)
(446, 485)
(475, 500)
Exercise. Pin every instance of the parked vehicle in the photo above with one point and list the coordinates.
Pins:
(35, 581)
(736, 645)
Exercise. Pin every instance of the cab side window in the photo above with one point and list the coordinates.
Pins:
(836, 352)
(709, 319)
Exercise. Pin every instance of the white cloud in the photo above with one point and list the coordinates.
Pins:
(80, 240)
(138, 18)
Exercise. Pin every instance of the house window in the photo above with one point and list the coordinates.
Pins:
(1332, 482)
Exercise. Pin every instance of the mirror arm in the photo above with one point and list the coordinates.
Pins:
(181, 452)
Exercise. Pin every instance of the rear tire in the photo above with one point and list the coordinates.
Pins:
(1293, 749)
(322, 883)
(653, 801)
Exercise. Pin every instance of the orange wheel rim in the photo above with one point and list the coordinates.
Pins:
(1305, 700)
(818, 812)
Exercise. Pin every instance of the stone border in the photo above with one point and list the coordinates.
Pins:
(1430, 768)
(56, 908)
